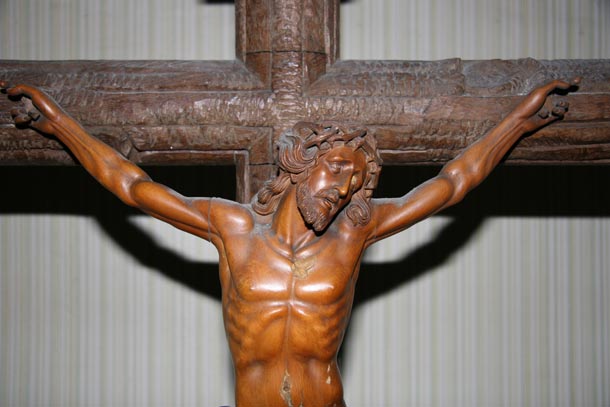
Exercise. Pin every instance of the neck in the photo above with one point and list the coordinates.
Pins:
(288, 224)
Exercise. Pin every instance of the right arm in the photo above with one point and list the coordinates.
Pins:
(471, 167)
(117, 174)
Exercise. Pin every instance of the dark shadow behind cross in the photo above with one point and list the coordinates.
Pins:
(288, 70)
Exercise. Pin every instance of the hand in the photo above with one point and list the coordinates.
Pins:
(538, 109)
(535, 101)
(39, 111)
(545, 116)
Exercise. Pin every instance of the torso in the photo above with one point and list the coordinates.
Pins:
(286, 311)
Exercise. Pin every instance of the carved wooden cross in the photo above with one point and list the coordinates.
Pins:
(288, 70)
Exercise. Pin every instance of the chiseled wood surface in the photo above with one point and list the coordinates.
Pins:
(288, 70)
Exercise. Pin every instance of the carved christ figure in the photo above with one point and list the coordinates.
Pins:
(289, 261)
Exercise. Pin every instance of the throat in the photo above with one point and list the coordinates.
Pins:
(288, 224)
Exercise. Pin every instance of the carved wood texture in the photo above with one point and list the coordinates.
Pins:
(230, 112)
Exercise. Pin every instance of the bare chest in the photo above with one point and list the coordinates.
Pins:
(320, 273)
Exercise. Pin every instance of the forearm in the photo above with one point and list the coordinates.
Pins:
(471, 167)
(105, 164)
(119, 175)
(485, 154)
(474, 164)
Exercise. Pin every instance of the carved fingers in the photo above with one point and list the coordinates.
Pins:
(552, 110)
(560, 108)
(534, 106)
(559, 84)
(37, 111)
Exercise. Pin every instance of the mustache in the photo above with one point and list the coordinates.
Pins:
(331, 195)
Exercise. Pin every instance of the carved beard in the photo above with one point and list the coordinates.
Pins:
(317, 209)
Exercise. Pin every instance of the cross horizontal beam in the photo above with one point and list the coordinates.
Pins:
(211, 112)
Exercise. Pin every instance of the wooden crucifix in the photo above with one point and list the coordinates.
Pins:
(288, 73)
(288, 70)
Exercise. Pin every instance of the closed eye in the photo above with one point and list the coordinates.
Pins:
(335, 167)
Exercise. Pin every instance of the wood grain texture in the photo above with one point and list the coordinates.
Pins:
(287, 71)
(442, 104)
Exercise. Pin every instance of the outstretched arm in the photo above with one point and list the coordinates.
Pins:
(119, 175)
(471, 167)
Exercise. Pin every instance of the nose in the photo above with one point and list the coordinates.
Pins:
(344, 186)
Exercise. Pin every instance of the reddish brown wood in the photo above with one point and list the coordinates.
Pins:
(423, 112)
(286, 293)
(288, 71)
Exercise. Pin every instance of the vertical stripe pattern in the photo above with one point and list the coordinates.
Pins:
(475, 29)
(517, 316)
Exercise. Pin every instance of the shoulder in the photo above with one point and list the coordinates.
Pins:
(225, 215)
(344, 229)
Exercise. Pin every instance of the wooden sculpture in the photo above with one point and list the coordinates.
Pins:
(289, 261)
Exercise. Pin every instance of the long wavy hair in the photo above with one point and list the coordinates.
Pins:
(299, 150)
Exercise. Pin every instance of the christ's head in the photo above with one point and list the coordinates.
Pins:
(332, 168)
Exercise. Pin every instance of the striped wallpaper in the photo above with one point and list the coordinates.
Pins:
(475, 29)
(116, 29)
(500, 304)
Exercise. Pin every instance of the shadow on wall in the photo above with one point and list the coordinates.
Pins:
(577, 191)
(72, 191)
(509, 191)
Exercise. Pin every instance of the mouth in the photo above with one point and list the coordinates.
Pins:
(328, 203)
(329, 200)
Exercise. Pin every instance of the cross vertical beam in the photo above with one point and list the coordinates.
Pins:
(288, 44)
(281, 40)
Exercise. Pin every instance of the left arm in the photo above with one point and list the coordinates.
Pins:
(120, 176)
(470, 168)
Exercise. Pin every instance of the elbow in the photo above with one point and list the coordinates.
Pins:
(119, 176)
(135, 191)
(131, 189)
(461, 179)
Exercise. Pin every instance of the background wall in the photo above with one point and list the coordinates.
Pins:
(503, 300)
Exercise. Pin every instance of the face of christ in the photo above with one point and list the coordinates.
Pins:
(330, 185)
